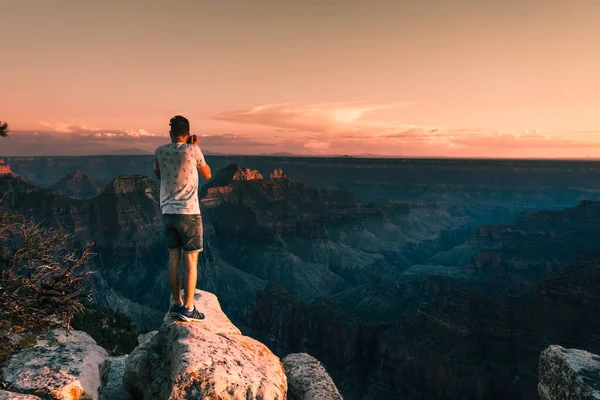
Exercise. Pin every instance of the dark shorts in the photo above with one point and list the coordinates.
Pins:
(183, 231)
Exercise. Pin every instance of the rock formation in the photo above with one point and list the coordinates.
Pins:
(399, 289)
(112, 388)
(464, 343)
(277, 174)
(125, 224)
(535, 243)
(308, 379)
(569, 374)
(132, 184)
(78, 185)
(247, 174)
(4, 395)
(58, 365)
(4, 169)
(208, 359)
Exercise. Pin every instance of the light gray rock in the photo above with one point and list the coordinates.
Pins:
(146, 337)
(112, 388)
(59, 366)
(204, 360)
(569, 374)
(4, 395)
(308, 379)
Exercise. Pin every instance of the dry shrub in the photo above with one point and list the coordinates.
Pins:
(42, 279)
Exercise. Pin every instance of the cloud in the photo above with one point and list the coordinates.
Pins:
(334, 119)
(67, 128)
(345, 126)
(75, 140)
(90, 131)
(137, 133)
(317, 146)
(325, 128)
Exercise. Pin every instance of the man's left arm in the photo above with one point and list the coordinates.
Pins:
(156, 167)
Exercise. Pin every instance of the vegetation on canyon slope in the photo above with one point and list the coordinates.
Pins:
(42, 277)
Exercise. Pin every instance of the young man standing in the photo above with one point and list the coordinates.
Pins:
(178, 165)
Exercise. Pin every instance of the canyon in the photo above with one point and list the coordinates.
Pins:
(416, 279)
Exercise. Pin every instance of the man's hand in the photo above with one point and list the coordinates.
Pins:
(193, 139)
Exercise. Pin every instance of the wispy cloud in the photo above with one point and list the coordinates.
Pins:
(90, 131)
(325, 118)
(65, 139)
(67, 128)
(328, 126)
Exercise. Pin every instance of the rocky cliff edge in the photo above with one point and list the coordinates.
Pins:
(204, 360)
(210, 359)
(569, 374)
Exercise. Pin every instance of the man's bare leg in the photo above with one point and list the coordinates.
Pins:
(190, 265)
(175, 275)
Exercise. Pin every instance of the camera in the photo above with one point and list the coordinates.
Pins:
(191, 139)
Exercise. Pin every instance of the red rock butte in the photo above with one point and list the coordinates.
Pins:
(4, 169)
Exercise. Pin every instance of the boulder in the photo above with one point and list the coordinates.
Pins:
(4, 395)
(146, 337)
(58, 366)
(569, 374)
(308, 379)
(112, 388)
(210, 359)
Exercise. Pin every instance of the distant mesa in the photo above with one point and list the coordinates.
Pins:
(130, 152)
(78, 185)
(229, 174)
(281, 154)
(278, 174)
(247, 174)
(4, 169)
(131, 184)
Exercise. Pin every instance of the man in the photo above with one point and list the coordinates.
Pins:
(178, 165)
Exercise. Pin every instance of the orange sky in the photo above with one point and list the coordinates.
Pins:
(464, 78)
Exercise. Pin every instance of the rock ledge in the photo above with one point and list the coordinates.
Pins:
(208, 359)
(569, 374)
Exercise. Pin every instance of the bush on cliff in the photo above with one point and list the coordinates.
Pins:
(42, 281)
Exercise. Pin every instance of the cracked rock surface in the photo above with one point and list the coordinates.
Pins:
(569, 374)
(210, 359)
(58, 366)
(308, 379)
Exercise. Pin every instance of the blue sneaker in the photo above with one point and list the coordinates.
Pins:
(189, 316)
(175, 310)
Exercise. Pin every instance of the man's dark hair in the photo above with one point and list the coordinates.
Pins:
(180, 126)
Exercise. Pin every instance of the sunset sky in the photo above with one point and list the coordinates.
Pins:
(457, 78)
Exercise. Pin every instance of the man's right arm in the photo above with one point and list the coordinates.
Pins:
(203, 167)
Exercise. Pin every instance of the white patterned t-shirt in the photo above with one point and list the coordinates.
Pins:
(178, 164)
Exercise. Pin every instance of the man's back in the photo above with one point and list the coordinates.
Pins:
(178, 164)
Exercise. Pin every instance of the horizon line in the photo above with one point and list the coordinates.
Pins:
(346, 156)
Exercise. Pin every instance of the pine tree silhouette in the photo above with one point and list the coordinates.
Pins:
(3, 129)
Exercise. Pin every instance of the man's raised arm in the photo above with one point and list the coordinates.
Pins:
(203, 167)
